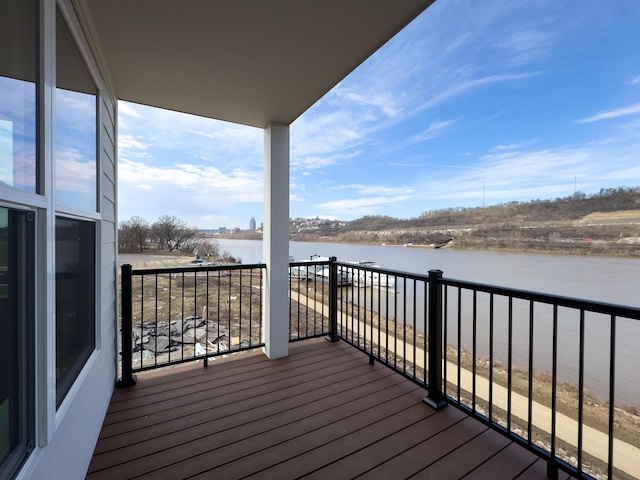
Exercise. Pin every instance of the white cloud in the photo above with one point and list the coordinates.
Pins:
(429, 64)
(189, 191)
(361, 206)
(435, 129)
(237, 185)
(610, 114)
(6, 152)
(311, 163)
(516, 174)
(303, 188)
(190, 136)
(72, 105)
(207, 172)
(462, 88)
(524, 47)
(128, 145)
(384, 101)
(511, 146)
(494, 116)
(324, 132)
(407, 164)
(74, 172)
(373, 189)
(127, 109)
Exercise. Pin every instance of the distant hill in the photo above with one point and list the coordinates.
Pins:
(604, 223)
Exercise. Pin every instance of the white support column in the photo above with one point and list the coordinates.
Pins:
(276, 240)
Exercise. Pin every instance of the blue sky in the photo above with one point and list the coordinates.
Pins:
(473, 103)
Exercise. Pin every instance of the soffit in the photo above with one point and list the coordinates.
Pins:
(243, 61)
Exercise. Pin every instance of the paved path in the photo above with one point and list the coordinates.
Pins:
(596, 443)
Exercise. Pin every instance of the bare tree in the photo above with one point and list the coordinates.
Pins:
(133, 234)
(209, 248)
(200, 244)
(125, 239)
(191, 240)
(174, 233)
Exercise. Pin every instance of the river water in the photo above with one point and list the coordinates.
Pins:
(610, 280)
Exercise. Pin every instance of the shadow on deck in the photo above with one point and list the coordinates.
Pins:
(323, 412)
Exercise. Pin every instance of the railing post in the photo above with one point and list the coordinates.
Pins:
(333, 300)
(128, 378)
(435, 398)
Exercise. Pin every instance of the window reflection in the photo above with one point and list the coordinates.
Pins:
(18, 61)
(75, 128)
(75, 300)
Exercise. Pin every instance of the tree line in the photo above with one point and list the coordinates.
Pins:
(167, 233)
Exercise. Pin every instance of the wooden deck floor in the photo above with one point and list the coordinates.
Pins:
(321, 413)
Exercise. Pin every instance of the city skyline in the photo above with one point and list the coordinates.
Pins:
(469, 105)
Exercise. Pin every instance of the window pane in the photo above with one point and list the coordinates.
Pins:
(75, 130)
(75, 300)
(16, 338)
(18, 61)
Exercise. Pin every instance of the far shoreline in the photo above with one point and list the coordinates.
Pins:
(586, 249)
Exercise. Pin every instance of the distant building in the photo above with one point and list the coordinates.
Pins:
(252, 224)
(222, 230)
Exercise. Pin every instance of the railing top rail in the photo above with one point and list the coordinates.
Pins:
(370, 268)
(562, 301)
(309, 263)
(397, 273)
(198, 268)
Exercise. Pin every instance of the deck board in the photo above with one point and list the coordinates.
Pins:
(322, 412)
(226, 395)
(518, 461)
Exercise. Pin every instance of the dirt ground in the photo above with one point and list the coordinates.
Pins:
(140, 260)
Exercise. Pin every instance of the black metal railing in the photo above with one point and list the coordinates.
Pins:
(540, 369)
(176, 315)
(310, 299)
(541, 372)
(383, 313)
(528, 365)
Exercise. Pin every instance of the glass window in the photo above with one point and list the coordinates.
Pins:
(75, 125)
(18, 62)
(75, 300)
(16, 338)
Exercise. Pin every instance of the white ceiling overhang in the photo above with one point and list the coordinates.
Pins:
(244, 61)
